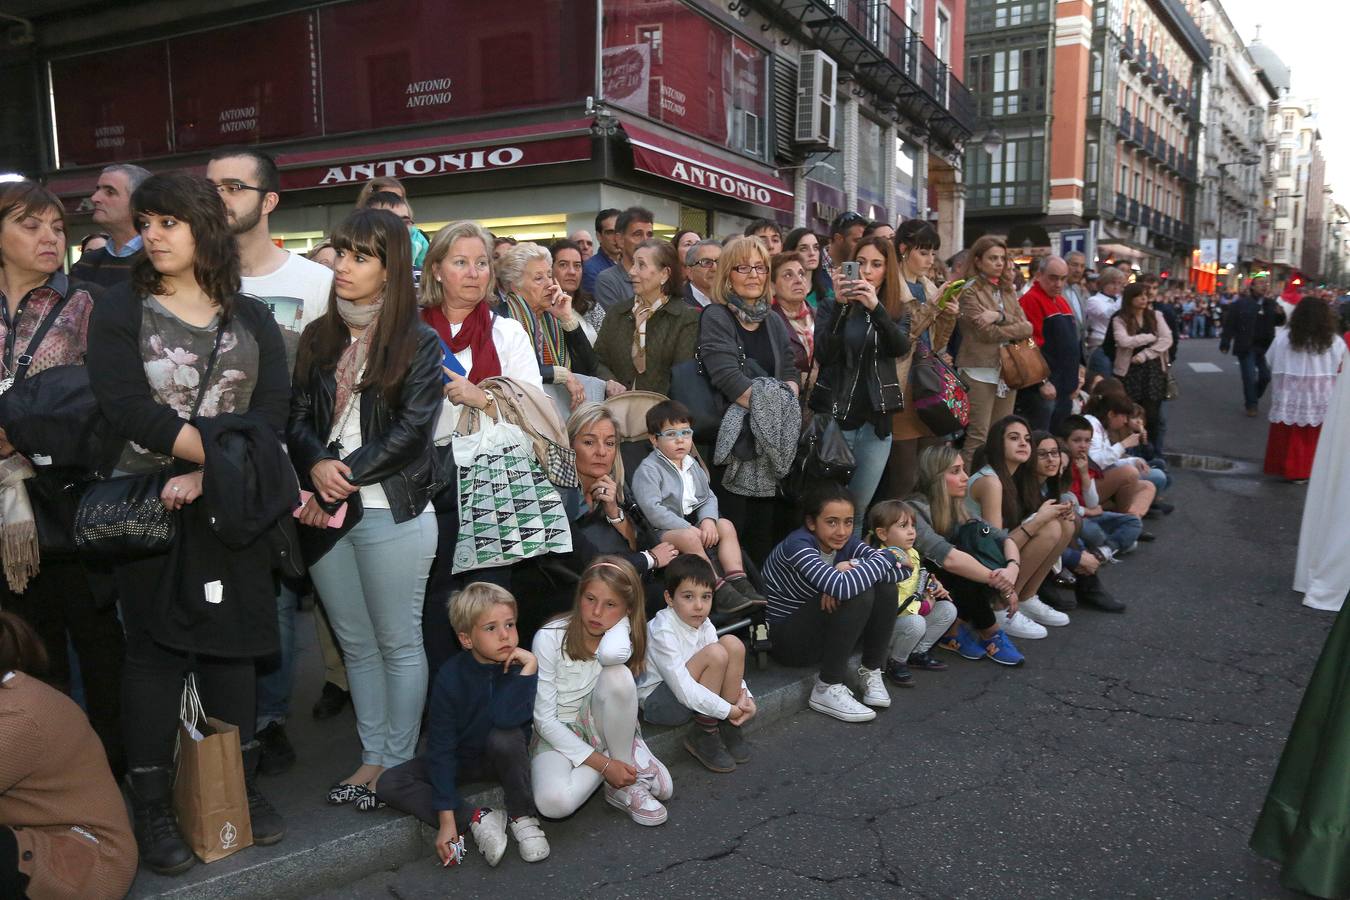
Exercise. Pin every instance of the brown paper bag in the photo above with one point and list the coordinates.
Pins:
(208, 793)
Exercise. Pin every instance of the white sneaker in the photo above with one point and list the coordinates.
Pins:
(1037, 610)
(1107, 554)
(638, 802)
(838, 701)
(1019, 626)
(530, 840)
(489, 834)
(652, 771)
(873, 687)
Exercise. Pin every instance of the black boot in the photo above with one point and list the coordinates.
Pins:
(1091, 593)
(1057, 597)
(162, 847)
(268, 825)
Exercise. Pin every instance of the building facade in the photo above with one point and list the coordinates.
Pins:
(1291, 144)
(1098, 104)
(689, 108)
(1232, 154)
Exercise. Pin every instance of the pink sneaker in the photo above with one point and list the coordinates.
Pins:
(651, 771)
(638, 802)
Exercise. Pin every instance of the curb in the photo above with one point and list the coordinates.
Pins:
(388, 843)
(1215, 464)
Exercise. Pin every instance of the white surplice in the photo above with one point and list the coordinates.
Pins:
(1322, 570)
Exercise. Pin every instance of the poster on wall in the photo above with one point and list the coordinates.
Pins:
(627, 77)
(271, 93)
(98, 118)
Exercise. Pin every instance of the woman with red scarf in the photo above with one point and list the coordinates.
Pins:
(457, 301)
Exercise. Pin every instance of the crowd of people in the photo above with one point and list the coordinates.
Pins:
(741, 435)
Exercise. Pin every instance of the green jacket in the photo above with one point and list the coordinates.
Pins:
(672, 337)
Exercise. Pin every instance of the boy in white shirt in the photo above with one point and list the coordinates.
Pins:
(693, 673)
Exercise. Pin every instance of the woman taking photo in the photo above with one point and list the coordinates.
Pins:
(644, 337)
(366, 397)
(1142, 341)
(977, 563)
(806, 243)
(45, 319)
(544, 310)
(1303, 363)
(788, 277)
(1043, 526)
(857, 351)
(179, 343)
(990, 317)
(740, 339)
(930, 327)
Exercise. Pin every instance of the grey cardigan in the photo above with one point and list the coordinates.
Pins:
(719, 347)
(659, 491)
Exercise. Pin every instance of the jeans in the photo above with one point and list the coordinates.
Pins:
(1099, 363)
(505, 760)
(276, 676)
(372, 583)
(1255, 376)
(1037, 410)
(870, 454)
(1112, 529)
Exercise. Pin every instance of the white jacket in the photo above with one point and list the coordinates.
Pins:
(1103, 453)
(671, 643)
(565, 683)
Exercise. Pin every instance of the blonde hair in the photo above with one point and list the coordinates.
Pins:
(582, 420)
(619, 575)
(467, 606)
(431, 294)
(947, 511)
(740, 251)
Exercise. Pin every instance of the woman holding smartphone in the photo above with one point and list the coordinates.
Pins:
(364, 404)
(857, 345)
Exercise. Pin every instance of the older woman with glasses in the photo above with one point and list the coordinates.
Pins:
(790, 282)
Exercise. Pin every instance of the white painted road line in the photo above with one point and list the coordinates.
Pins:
(1204, 367)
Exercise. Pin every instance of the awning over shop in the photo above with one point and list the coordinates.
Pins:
(665, 158)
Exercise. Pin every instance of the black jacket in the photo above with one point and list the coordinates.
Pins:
(248, 482)
(1249, 324)
(841, 368)
(396, 450)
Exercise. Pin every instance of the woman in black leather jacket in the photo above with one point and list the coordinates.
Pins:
(366, 395)
(857, 345)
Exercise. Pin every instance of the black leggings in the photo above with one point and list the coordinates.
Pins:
(13, 883)
(974, 601)
(810, 635)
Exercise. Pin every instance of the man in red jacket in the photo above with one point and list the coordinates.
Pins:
(1055, 331)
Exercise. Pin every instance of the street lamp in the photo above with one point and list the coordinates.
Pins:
(1245, 160)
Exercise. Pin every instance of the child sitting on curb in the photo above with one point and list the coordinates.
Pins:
(926, 611)
(693, 673)
(676, 497)
(481, 706)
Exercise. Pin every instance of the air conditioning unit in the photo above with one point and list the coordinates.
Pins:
(816, 80)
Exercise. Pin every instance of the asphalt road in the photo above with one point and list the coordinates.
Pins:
(1127, 758)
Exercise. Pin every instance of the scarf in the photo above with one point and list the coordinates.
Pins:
(352, 362)
(749, 313)
(803, 325)
(641, 313)
(18, 531)
(545, 332)
(475, 334)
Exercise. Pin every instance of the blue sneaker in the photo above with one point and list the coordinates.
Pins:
(964, 643)
(1001, 650)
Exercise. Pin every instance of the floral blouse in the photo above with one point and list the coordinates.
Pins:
(68, 337)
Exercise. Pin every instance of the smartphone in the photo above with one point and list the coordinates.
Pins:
(852, 271)
(337, 518)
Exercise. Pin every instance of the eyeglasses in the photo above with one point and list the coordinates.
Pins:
(746, 270)
(673, 434)
(234, 187)
(706, 263)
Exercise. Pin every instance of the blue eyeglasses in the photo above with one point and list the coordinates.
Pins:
(676, 433)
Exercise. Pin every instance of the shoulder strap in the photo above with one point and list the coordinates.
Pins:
(206, 374)
(24, 361)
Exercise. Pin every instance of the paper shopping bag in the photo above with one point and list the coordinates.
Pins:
(208, 792)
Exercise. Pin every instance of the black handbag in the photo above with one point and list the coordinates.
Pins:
(822, 455)
(123, 517)
(54, 496)
(690, 386)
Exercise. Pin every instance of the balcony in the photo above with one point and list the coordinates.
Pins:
(1150, 142)
(1149, 73)
(872, 42)
(1139, 58)
(1123, 126)
(1133, 217)
(1122, 206)
(1138, 130)
(1127, 46)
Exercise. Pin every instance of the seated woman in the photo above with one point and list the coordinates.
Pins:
(544, 310)
(827, 591)
(1044, 527)
(977, 563)
(643, 337)
(63, 824)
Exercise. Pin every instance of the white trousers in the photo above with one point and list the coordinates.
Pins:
(559, 787)
(915, 634)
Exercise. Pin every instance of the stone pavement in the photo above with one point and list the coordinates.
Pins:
(1128, 757)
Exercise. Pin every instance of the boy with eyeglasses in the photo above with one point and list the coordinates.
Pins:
(676, 496)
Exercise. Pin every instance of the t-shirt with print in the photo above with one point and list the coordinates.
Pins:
(297, 293)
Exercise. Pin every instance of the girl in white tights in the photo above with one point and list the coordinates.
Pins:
(586, 707)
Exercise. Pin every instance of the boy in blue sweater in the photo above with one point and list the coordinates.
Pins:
(482, 704)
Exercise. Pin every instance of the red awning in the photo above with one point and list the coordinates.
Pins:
(664, 157)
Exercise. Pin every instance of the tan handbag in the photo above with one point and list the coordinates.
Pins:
(1021, 365)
